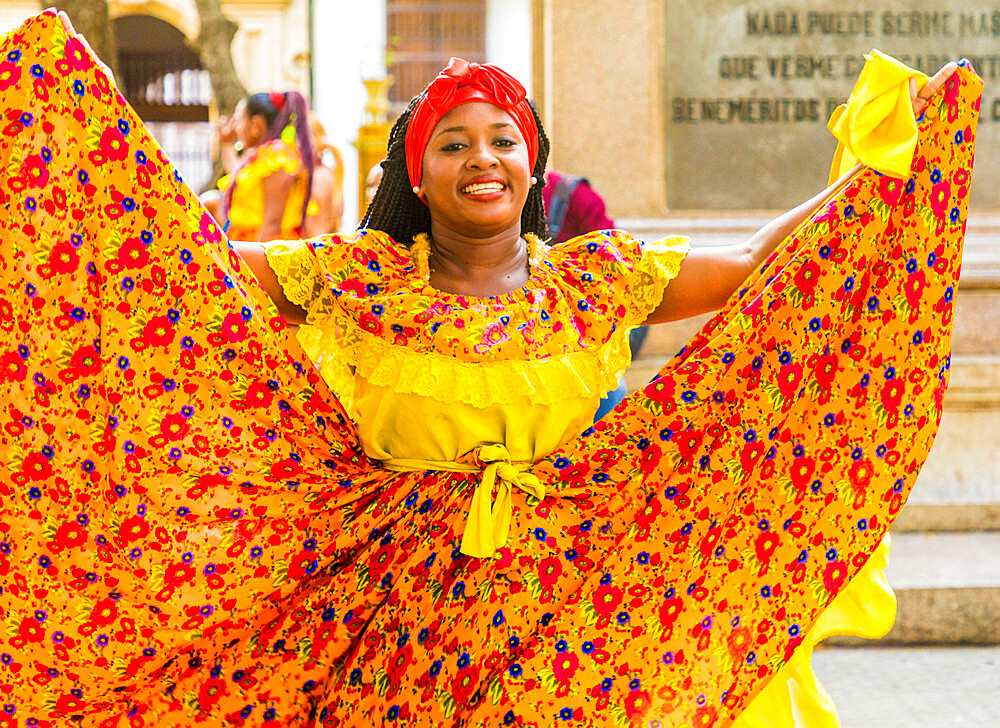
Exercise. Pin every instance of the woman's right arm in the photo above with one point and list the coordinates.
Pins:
(253, 255)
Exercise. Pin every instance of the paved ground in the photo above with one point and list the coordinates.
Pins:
(913, 687)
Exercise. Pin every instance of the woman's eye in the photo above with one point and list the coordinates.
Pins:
(506, 142)
(452, 147)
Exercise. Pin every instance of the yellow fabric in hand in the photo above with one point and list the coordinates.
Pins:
(876, 126)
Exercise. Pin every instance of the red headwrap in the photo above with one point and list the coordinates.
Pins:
(459, 83)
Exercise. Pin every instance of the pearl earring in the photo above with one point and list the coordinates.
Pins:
(534, 180)
(416, 190)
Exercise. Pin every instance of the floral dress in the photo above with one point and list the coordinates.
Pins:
(195, 531)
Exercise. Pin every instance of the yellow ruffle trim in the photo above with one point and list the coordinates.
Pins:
(274, 156)
(342, 350)
(794, 698)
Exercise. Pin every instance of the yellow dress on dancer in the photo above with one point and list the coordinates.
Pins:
(195, 531)
(246, 210)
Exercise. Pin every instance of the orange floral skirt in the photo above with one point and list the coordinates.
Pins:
(191, 534)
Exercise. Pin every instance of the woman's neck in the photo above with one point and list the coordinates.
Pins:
(486, 266)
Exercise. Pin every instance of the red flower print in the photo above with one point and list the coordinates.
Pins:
(765, 544)
(670, 610)
(70, 535)
(133, 528)
(806, 277)
(158, 331)
(12, 367)
(399, 662)
(304, 562)
(861, 473)
(36, 466)
(465, 685)
(174, 426)
(564, 665)
(259, 395)
(705, 717)
(825, 369)
(549, 571)
(76, 55)
(637, 702)
(650, 458)
(113, 144)
(892, 393)
(10, 74)
(834, 576)
(211, 692)
(607, 598)
(890, 189)
(178, 574)
(31, 630)
(133, 253)
(234, 327)
(104, 612)
(789, 377)
(370, 323)
(33, 170)
(801, 471)
(63, 258)
(738, 642)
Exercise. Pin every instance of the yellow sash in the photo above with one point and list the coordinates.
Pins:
(488, 525)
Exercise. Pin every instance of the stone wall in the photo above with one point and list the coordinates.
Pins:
(722, 104)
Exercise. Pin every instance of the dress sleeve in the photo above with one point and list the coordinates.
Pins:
(619, 275)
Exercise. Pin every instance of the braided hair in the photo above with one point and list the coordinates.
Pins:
(397, 211)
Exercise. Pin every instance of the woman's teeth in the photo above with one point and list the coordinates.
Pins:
(479, 189)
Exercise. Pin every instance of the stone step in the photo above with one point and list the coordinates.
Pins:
(947, 589)
(905, 687)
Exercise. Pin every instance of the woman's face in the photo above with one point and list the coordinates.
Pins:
(476, 174)
(248, 129)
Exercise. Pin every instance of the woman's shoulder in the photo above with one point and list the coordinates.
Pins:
(362, 262)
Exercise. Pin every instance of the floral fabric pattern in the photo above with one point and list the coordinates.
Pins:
(563, 335)
(191, 535)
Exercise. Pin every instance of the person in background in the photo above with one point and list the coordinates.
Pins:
(326, 206)
(269, 146)
(572, 208)
(372, 181)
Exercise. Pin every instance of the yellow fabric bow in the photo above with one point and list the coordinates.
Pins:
(876, 126)
(488, 525)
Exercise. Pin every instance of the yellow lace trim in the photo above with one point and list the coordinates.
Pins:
(342, 350)
(276, 156)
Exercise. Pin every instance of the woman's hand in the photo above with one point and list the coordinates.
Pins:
(71, 31)
(939, 79)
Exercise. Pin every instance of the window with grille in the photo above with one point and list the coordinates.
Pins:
(163, 80)
(425, 34)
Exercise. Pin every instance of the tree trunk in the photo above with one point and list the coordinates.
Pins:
(213, 46)
(90, 18)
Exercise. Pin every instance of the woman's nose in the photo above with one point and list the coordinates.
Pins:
(482, 156)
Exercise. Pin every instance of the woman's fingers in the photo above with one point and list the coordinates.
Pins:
(933, 85)
(67, 23)
(937, 81)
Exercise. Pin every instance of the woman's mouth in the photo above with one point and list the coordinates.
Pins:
(483, 188)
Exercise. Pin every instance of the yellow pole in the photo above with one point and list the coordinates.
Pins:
(373, 137)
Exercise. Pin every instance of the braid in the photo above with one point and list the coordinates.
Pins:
(533, 218)
(397, 211)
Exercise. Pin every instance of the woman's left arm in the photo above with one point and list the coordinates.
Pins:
(709, 276)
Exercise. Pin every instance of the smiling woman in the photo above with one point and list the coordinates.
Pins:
(411, 518)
